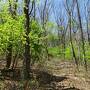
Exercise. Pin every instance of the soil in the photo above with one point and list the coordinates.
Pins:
(54, 75)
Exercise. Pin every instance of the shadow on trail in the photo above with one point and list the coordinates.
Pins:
(71, 88)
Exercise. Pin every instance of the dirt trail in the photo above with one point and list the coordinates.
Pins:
(76, 80)
(58, 75)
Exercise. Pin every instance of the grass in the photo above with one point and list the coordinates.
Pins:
(58, 52)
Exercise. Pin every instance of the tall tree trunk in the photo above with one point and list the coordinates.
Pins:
(9, 55)
(82, 37)
(87, 24)
(34, 10)
(73, 51)
(44, 21)
(88, 32)
(27, 57)
(64, 43)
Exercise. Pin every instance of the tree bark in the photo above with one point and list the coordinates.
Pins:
(9, 55)
(74, 55)
(27, 56)
(82, 37)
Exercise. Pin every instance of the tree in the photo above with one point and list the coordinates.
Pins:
(44, 12)
(82, 37)
(70, 13)
(27, 56)
(87, 12)
(61, 31)
(12, 11)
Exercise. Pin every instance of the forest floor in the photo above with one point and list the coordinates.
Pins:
(75, 80)
(65, 77)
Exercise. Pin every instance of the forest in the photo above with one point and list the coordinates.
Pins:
(44, 44)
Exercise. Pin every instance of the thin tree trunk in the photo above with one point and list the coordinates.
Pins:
(27, 56)
(88, 32)
(74, 55)
(44, 21)
(64, 43)
(82, 37)
(9, 55)
(86, 17)
(34, 10)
